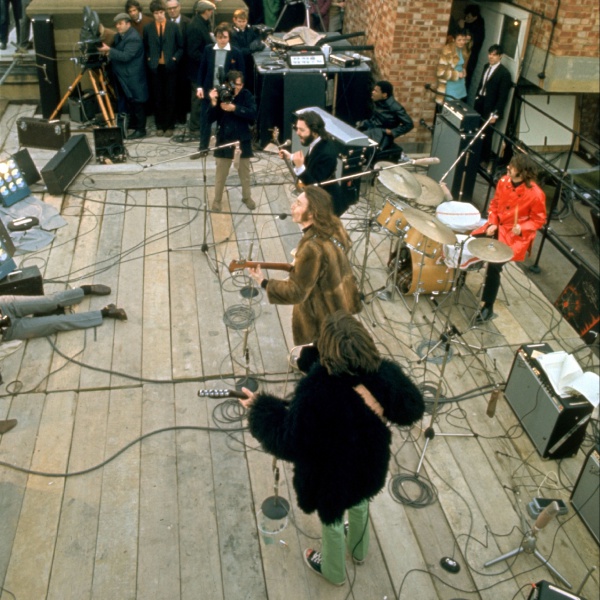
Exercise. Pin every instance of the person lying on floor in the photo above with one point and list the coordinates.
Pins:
(27, 317)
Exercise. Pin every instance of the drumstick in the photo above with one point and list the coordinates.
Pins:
(516, 215)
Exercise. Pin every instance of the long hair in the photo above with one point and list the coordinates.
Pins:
(345, 346)
(525, 167)
(320, 206)
(314, 122)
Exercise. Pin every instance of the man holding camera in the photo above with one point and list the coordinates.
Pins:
(234, 109)
(217, 61)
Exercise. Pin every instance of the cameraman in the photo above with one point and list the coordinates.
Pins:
(234, 109)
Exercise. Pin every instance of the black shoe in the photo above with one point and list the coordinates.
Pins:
(4, 321)
(112, 312)
(313, 560)
(485, 314)
(98, 289)
(138, 134)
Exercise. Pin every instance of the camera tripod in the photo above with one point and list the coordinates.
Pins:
(96, 74)
(307, 4)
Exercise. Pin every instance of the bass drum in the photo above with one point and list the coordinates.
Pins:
(432, 277)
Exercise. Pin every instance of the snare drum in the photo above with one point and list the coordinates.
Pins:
(391, 216)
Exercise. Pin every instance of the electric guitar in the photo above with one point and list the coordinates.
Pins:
(237, 265)
(288, 163)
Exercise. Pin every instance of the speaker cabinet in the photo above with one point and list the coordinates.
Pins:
(108, 145)
(555, 425)
(66, 164)
(27, 166)
(447, 145)
(299, 91)
(40, 133)
(7, 250)
(46, 63)
(585, 495)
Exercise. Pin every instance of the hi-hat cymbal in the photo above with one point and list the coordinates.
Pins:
(429, 226)
(490, 250)
(431, 191)
(399, 180)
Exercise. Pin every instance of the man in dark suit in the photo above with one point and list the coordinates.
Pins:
(217, 61)
(163, 43)
(182, 87)
(128, 67)
(198, 36)
(320, 161)
(492, 94)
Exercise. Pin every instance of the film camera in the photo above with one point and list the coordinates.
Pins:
(225, 92)
(89, 40)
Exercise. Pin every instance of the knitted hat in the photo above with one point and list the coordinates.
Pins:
(203, 5)
(122, 17)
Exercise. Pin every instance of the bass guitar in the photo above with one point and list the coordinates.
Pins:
(216, 393)
(237, 265)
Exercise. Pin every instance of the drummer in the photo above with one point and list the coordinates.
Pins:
(516, 212)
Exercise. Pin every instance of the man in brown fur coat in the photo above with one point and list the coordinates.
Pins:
(321, 281)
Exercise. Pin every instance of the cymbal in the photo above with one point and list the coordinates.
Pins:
(431, 191)
(490, 250)
(399, 180)
(429, 226)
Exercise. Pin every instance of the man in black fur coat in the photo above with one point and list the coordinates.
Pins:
(335, 431)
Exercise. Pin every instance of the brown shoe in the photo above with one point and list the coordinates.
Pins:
(7, 425)
(112, 312)
(216, 206)
(250, 203)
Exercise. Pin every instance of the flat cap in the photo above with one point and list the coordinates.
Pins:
(203, 5)
(121, 17)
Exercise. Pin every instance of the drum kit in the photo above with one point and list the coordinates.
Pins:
(430, 251)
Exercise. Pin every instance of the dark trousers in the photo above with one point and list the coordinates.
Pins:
(488, 134)
(491, 285)
(17, 11)
(163, 84)
(182, 96)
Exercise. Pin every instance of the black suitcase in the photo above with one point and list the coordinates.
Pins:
(23, 282)
(40, 133)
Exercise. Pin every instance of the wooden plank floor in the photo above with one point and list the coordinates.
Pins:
(177, 514)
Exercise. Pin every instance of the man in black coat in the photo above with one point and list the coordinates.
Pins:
(335, 433)
(198, 36)
(217, 61)
(492, 95)
(163, 43)
(182, 87)
(320, 161)
(234, 118)
(389, 120)
(475, 26)
(128, 67)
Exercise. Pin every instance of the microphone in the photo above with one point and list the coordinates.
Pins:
(285, 144)
(283, 216)
(491, 407)
(250, 250)
(546, 516)
(421, 162)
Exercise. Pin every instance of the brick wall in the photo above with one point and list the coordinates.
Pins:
(408, 37)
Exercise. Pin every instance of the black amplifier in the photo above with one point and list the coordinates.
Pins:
(66, 164)
(555, 425)
(23, 282)
(461, 116)
(40, 133)
(344, 60)
(585, 494)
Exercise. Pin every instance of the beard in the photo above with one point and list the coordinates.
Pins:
(308, 140)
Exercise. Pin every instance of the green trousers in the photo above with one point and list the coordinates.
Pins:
(333, 552)
(271, 8)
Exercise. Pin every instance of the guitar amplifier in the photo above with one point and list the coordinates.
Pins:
(306, 59)
(461, 116)
(543, 590)
(23, 282)
(40, 133)
(27, 166)
(555, 425)
(585, 495)
(66, 164)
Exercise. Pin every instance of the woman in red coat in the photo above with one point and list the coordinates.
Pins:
(516, 212)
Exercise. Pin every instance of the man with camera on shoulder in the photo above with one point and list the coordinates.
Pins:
(234, 109)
